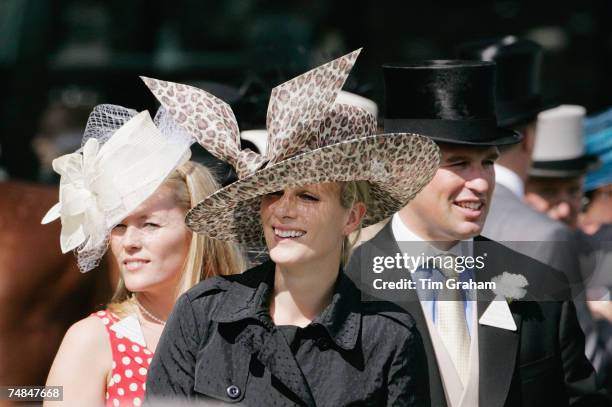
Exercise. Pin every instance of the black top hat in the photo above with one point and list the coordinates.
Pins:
(518, 76)
(451, 101)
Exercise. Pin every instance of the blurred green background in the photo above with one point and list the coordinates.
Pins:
(58, 58)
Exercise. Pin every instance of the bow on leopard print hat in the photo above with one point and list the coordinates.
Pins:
(311, 139)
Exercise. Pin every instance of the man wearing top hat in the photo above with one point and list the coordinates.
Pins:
(480, 353)
(570, 167)
(511, 220)
(556, 176)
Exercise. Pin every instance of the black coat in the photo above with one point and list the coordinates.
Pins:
(220, 343)
(540, 364)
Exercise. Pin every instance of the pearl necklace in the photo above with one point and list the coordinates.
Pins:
(147, 313)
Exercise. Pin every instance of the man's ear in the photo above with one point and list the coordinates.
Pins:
(356, 214)
(529, 136)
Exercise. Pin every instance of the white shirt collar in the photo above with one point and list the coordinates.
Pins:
(130, 328)
(510, 180)
(402, 233)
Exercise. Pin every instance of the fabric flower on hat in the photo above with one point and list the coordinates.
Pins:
(78, 207)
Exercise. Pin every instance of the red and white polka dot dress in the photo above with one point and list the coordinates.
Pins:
(131, 361)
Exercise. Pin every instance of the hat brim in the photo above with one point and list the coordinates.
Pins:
(464, 132)
(397, 167)
(502, 137)
(574, 167)
(517, 114)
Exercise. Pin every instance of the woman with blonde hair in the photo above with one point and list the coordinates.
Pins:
(129, 188)
(295, 330)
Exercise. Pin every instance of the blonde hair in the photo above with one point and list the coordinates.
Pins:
(352, 192)
(190, 183)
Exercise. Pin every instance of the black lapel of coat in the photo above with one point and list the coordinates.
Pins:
(436, 388)
(386, 241)
(497, 347)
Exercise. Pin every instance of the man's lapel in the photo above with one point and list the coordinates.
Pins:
(497, 347)
(413, 306)
(385, 241)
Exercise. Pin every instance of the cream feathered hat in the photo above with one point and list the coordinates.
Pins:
(125, 156)
(311, 139)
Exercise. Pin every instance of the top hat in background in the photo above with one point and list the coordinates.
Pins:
(518, 61)
(559, 145)
(450, 101)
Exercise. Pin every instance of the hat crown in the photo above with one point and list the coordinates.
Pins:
(560, 134)
(450, 101)
(518, 65)
(440, 89)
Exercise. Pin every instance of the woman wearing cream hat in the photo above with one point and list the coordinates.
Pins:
(129, 188)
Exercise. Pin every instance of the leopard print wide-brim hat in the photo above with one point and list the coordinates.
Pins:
(311, 140)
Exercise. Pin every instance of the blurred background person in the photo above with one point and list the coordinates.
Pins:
(598, 182)
(556, 176)
(139, 184)
(596, 219)
(60, 128)
(555, 188)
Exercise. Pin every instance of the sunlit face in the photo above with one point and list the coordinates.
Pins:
(307, 224)
(559, 198)
(454, 205)
(151, 244)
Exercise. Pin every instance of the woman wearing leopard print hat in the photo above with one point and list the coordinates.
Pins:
(294, 330)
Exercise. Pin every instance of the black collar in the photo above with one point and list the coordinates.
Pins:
(249, 294)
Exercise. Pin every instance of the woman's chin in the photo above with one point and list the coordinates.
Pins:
(285, 257)
(140, 285)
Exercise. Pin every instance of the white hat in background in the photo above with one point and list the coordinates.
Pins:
(353, 99)
(260, 137)
(559, 145)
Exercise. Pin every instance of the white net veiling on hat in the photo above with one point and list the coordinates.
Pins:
(104, 120)
(125, 156)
